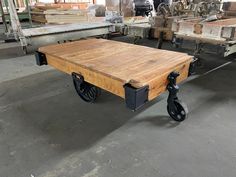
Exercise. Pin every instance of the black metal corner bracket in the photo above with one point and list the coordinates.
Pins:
(135, 97)
(40, 58)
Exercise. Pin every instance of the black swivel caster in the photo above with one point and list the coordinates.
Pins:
(176, 109)
(178, 112)
(85, 90)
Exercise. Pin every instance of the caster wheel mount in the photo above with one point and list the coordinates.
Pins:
(85, 90)
(177, 110)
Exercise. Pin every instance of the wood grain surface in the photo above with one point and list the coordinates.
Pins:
(110, 64)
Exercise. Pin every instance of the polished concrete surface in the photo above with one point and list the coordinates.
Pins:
(46, 130)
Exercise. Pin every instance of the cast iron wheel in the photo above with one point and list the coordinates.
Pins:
(86, 91)
(179, 113)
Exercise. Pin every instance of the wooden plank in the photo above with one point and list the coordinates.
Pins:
(114, 86)
(224, 22)
(158, 85)
(111, 64)
(50, 14)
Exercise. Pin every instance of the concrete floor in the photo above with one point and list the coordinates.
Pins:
(47, 131)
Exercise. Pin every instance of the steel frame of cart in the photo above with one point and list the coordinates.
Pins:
(32, 38)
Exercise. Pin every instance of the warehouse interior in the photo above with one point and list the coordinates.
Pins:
(117, 88)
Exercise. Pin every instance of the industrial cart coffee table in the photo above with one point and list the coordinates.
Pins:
(136, 73)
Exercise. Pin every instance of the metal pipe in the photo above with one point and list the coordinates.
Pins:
(3, 17)
(28, 10)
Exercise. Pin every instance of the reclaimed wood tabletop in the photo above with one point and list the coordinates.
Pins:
(110, 64)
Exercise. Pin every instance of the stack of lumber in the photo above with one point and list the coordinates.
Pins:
(56, 14)
(65, 16)
(229, 9)
(79, 5)
(53, 15)
(37, 13)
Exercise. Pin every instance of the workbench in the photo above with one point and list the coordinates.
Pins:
(136, 73)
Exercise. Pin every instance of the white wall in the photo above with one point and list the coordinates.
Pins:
(102, 2)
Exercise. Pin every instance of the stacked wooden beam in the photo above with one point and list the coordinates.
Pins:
(65, 16)
(37, 13)
(53, 15)
(79, 5)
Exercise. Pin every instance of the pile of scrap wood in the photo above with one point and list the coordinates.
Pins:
(229, 9)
